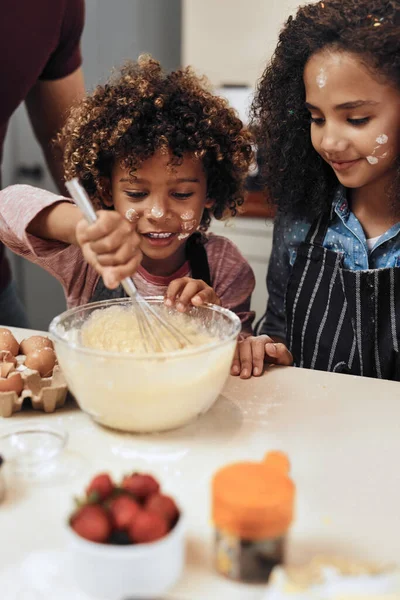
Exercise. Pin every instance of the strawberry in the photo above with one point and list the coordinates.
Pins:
(147, 527)
(100, 488)
(92, 523)
(163, 506)
(140, 485)
(123, 510)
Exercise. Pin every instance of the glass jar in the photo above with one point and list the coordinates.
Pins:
(252, 509)
(2, 480)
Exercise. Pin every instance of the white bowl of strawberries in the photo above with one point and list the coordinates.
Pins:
(126, 541)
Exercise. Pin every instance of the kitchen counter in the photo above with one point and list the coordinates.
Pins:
(341, 433)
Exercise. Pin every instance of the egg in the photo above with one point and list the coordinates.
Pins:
(7, 357)
(6, 368)
(35, 342)
(8, 362)
(42, 360)
(13, 383)
(8, 341)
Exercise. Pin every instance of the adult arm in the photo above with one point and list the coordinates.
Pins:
(59, 86)
(48, 103)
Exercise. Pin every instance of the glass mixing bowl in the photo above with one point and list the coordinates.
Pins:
(146, 392)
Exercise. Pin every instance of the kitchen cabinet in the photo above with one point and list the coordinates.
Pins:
(253, 237)
(231, 41)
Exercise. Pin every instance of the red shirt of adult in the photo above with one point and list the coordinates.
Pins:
(39, 39)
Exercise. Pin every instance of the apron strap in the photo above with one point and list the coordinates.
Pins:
(317, 232)
(197, 256)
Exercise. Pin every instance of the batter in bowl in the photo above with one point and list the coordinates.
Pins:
(116, 329)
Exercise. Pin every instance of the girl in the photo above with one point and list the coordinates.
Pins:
(158, 154)
(328, 116)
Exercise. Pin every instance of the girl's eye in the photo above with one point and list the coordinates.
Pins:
(316, 120)
(356, 122)
(137, 195)
(182, 195)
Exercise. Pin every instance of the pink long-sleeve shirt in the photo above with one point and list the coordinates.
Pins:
(231, 276)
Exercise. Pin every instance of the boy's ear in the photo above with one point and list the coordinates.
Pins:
(105, 192)
(209, 203)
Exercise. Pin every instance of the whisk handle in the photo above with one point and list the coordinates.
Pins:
(129, 287)
(82, 200)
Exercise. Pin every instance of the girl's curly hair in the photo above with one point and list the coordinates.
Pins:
(141, 110)
(298, 179)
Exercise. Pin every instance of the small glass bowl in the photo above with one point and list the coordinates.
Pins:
(32, 451)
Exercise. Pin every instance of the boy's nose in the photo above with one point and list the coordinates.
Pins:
(157, 210)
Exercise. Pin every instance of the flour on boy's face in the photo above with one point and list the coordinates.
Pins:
(165, 201)
(351, 115)
(132, 215)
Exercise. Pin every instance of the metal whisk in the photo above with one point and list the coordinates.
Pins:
(155, 331)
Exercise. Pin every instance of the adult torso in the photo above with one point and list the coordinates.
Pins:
(30, 33)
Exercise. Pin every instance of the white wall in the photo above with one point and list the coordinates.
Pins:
(124, 29)
(231, 40)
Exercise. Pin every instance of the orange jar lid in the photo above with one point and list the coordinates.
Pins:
(254, 500)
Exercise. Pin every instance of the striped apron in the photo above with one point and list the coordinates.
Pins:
(196, 255)
(341, 320)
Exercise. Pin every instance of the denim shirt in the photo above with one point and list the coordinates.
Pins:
(345, 235)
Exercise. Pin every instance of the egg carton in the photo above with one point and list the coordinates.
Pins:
(46, 393)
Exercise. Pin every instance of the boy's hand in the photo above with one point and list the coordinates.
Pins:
(110, 245)
(186, 291)
(252, 352)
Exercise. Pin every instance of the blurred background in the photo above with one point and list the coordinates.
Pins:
(230, 41)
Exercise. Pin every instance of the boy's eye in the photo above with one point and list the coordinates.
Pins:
(182, 195)
(356, 122)
(136, 195)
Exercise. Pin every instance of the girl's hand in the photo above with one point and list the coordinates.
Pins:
(186, 291)
(252, 352)
(111, 246)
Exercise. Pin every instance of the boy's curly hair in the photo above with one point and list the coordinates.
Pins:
(298, 179)
(141, 110)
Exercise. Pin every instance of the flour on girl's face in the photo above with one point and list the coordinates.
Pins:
(321, 78)
(381, 140)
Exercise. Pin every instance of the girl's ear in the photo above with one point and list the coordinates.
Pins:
(105, 192)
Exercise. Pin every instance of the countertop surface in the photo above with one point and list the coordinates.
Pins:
(341, 433)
